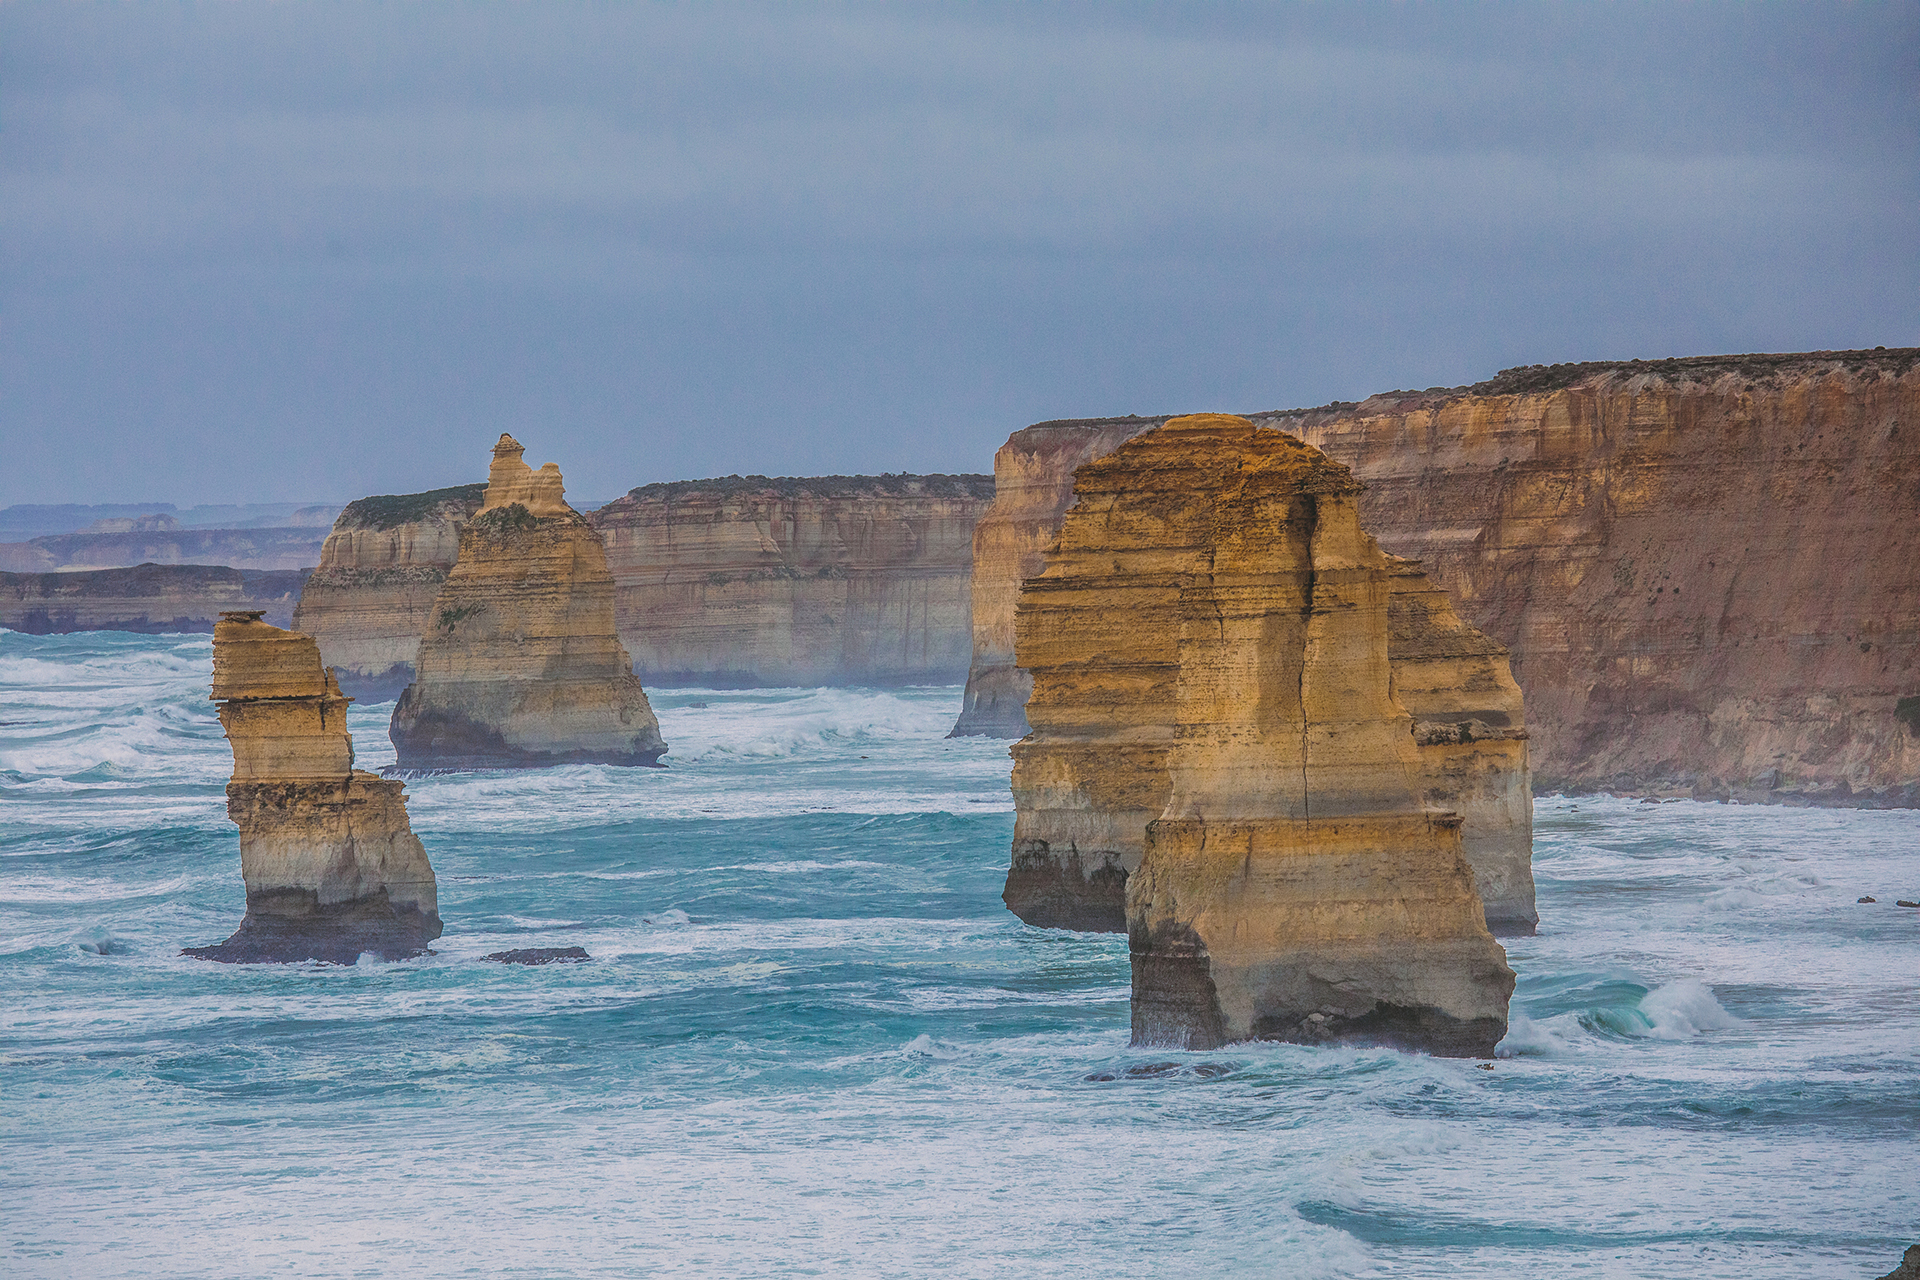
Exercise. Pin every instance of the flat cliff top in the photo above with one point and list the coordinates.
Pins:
(391, 510)
(880, 486)
(147, 580)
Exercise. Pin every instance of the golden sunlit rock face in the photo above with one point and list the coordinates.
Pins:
(331, 866)
(1703, 568)
(1102, 771)
(1209, 650)
(519, 665)
(380, 571)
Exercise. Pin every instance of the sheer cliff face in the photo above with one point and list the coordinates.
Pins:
(518, 664)
(380, 571)
(1703, 568)
(1293, 884)
(332, 868)
(1096, 633)
(151, 598)
(830, 580)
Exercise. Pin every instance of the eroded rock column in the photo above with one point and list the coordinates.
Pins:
(519, 666)
(332, 868)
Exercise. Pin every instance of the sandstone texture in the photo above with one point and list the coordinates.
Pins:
(518, 663)
(1704, 568)
(152, 598)
(1295, 884)
(1093, 628)
(380, 571)
(1032, 489)
(331, 866)
(836, 580)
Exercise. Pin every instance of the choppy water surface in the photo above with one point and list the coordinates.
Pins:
(812, 1041)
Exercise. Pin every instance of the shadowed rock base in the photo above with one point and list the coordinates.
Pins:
(289, 925)
(1060, 893)
(455, 743)
(1909, 1268)
(540, 955)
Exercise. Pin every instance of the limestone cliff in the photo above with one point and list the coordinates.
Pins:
(332, 867)
(263, 548)
(518, 664)
(150, 598)
(380, 571)
(1704, 568)
(1294, 885)
(751, 580)
(1097, 768)
(1032, 489)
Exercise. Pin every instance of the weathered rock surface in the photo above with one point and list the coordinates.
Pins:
(1909, 1268)
(1098, 769)
(751, 580)
(1032, 489)
(518, 664)
(331, 866)
(380, 571)
(151, 598)
(1703, 567)
(1295, 885)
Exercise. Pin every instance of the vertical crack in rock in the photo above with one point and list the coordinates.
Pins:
(332, 868)
(1213, 618)
(1095, 770)
(519, 665)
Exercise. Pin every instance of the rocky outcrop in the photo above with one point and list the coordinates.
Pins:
(380, 571)
(152, 598)
(1702, 567)
(1295, 885)
(751, 580)
(1098, 768)
(518, 664)
(332, 868)
(236, 548)
(1032, 489)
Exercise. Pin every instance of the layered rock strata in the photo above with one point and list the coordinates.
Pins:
(380, 571)
(1098, 768)
(151, 598)
(1295, 885)
(332, 868)
(1703, 567)
(751, 580)
(518, 663)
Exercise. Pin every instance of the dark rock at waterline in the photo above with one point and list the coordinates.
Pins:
(1902, 902)
(1866, 899)
(1909, 1268)
(336, 934)
(541, 955)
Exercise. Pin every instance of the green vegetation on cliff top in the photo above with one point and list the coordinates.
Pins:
(391, 510)
(887, 486)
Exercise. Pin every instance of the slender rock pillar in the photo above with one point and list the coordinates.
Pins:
(332, 868)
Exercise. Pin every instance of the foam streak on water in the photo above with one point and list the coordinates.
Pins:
(812, 1041)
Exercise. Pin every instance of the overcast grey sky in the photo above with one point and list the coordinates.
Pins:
(260, 252)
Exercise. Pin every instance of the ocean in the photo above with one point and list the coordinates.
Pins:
(812, 1041)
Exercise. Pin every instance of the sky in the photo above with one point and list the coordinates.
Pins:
(258, 252)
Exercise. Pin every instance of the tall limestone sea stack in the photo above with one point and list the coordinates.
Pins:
(331, 866)
(518, 665)
(1097, 769)
(1295, 885)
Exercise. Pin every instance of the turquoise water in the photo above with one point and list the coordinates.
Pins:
(813, 1042)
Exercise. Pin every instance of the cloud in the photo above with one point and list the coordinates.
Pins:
(295, 225)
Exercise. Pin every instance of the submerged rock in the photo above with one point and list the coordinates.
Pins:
(519, 666)
(1209, 652)
(540, 955)
(332, 868)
